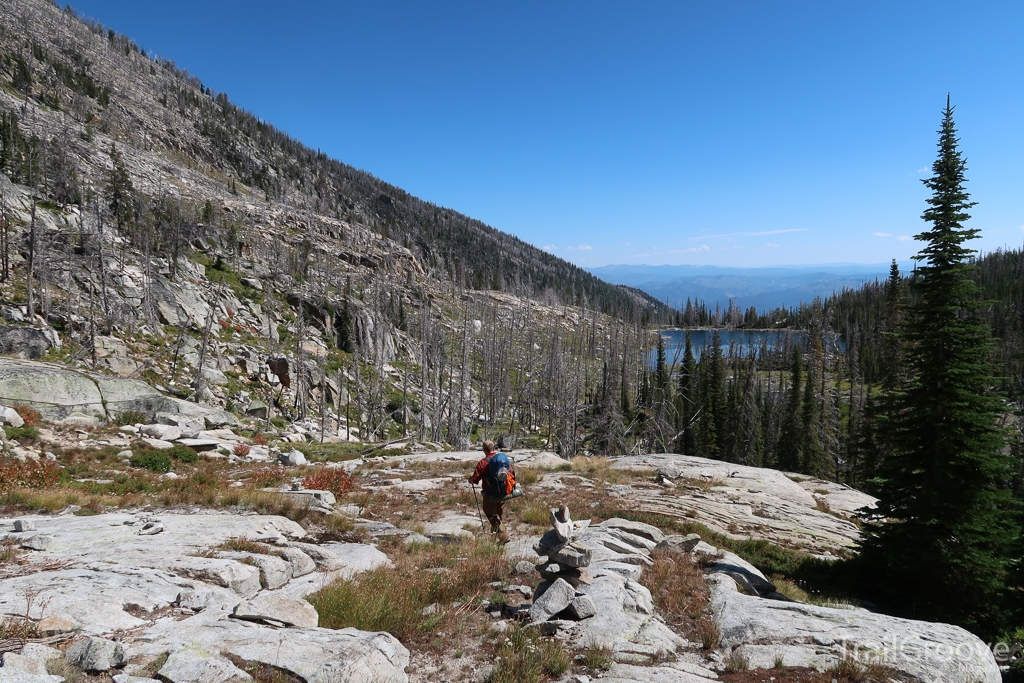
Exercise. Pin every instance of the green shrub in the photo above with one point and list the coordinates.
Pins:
(131, 417)
(18, 433)
(154, 461)
(396, 403)
(184, 454)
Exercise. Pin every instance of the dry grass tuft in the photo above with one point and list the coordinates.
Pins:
(597, 658)
(681, 594)
(707, 633)
(154, 665)
(851, 669)
(736, 661)
(18, 628)
(244, 545)
(524, 657)
(392, 598)
(264, 673)
(9, 552)
(536, 513)
(69, 672)
(599, 470)
(790, 589)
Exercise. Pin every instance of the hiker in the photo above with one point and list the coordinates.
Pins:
(494, 470)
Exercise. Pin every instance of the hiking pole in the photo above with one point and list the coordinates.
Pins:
(478, 510)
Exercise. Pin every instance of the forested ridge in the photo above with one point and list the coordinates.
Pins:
(105, 81)
(822, 379)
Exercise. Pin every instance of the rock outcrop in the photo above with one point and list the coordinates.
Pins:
(99, 577)
(795, 511)
(57, 392)
(757, 625)
(764, 631)
(27, 342)
(611, 609)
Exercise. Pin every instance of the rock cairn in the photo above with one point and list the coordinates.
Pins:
(564, 572)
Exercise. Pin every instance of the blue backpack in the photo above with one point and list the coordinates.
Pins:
(501, 476)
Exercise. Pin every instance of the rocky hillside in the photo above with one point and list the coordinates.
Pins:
(153, 230)
(83, 88)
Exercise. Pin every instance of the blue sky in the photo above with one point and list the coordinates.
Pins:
(729, 133)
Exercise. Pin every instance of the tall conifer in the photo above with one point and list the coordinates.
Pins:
(790, 450)
(938, 544)
(686, 399)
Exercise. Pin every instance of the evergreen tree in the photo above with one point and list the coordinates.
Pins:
(891, 345)
(343, 323)
(686, 400)
(119, 190)
(810, 444)
(938, 545)
(872, 443)
(661, 366)
(714, 416)
(790, 450)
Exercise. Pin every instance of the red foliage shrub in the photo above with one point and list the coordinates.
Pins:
(259, 440)
(241, 450)
(31, 417)
(28, 474)
(336, 480)
(267, 476)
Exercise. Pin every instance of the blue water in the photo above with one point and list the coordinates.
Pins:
(743, 342)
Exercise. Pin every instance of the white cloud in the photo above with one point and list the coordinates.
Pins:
(629, 244)
(550, 247)
(770, 244)
(775, 232)
(882, 234)
(690, 250)
(749, 234)
(923, 170)
(1022, 228)
(585, 247)
(904, 238)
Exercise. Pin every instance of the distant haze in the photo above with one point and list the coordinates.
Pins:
(763, 288)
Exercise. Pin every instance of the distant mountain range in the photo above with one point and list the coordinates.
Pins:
(763, 288)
